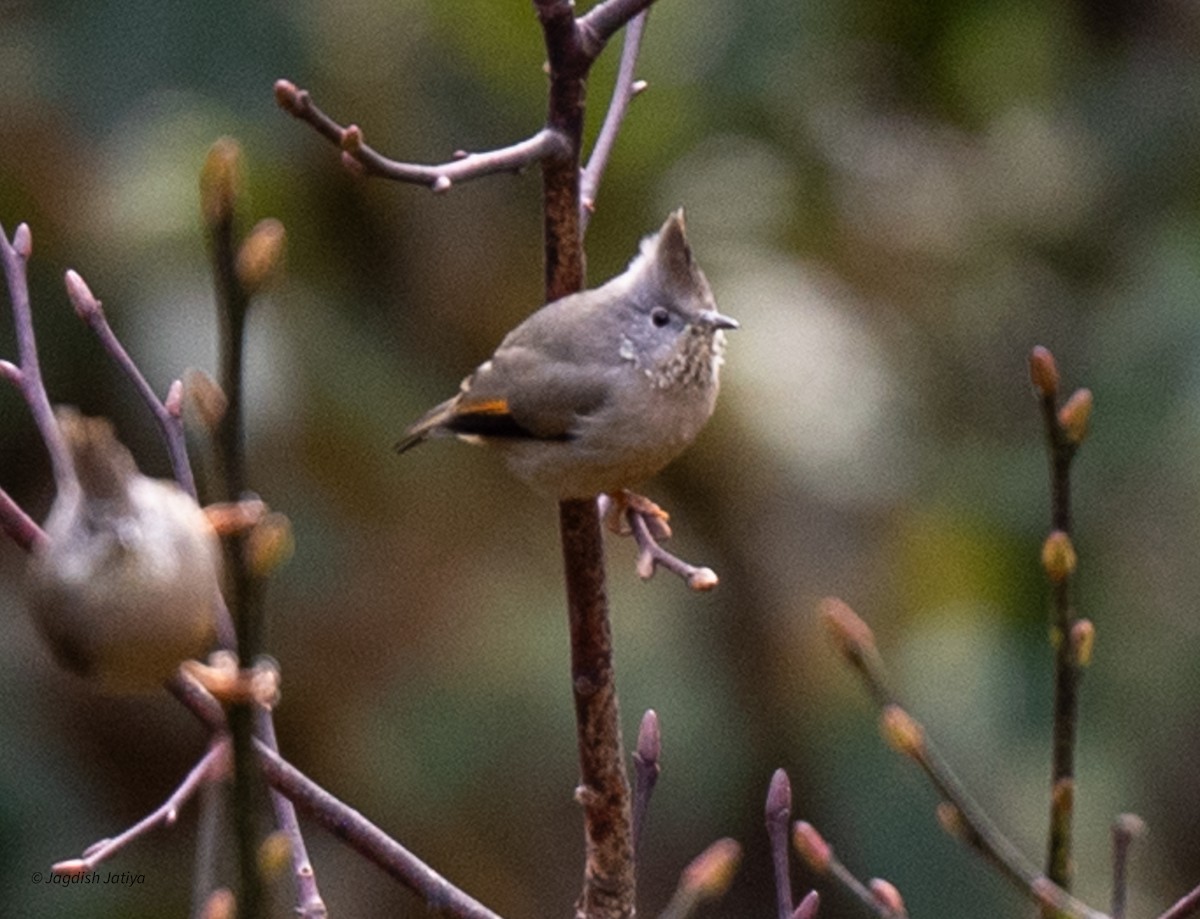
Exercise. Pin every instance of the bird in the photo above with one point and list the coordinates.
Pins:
(597, 391)
(127, 582)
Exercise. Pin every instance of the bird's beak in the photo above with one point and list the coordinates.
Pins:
(717, 321)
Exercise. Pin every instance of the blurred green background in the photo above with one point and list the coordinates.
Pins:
(897, 200)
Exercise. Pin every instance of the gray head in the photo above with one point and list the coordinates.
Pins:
(673, 322)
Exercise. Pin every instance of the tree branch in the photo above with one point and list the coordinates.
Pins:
(211, 766)
(779, 823)
(625, 88)
(1125, 829)
(603, 20)
(819, 856)
(647, 767)
(706, 877)
(609, 880)
(629, 514)
(608, 889)
(19, 526)
(309, 904)
(220, 180)
(167, 413)
(28, 376)
(960, 815)
(357, 154)
(339, 818)
(1065, 431)
(367, 839)
(1189, 905)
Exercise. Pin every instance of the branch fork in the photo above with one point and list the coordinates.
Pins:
(628, 514)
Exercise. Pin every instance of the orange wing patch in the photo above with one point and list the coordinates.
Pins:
(491, 407)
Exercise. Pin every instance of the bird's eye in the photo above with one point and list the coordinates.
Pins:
(660, 317)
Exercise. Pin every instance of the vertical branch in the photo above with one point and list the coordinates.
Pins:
(604, 787)
(28, 375)
(1125, 829)
(1065, 431)
(239, 272)
(609, 883)
(218, 182)
(560, 175)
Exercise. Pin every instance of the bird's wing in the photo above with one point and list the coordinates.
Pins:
(522, 393)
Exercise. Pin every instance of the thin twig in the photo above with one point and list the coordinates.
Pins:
(603, 20)
(856, 643)
(625, 88)
(15, 258)
(19, 526)
(343, 821)
(211, 766)
(358, 153)
(818, 854)
(706, 877)
(367, 839)
(309, 903)
(861, 891)
(646, 765)
(170, 425)
(779, 824)
(808, 907)
(652, 555)
(1063, 437)
(1189, 905)
(210, 826)
(633, 515)
(1125, 829)
(236, 280)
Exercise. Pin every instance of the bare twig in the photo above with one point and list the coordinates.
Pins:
(1189, 905)
(628, 514)
(1126, 828)
(220, 179)
(646, 765)
(625, 88)
(1065, 431)
(209, 829)
(855, 641)
(165, 411)
(18, 525)
(779, 824)
(358, 154)
(28, 373)
(604, 20)
(811, 846)
(367, 839)
(339, 818)
(652, 555)
(213, 765)
(309, 904)
(706, 877)
(809, 906)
